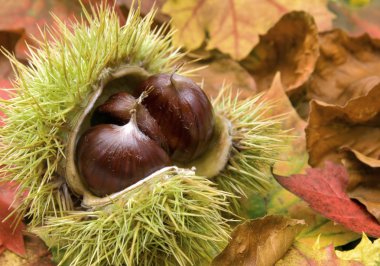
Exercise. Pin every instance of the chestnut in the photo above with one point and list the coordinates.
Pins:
(117, 110)
(112, 157)
(183, 112)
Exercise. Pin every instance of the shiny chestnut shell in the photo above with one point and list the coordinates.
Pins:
(111, 157)
(183, 112)
(117, 110)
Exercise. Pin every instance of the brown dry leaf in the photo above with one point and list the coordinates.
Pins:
(290, 47)
(348, 67)
(223, 71)
(259, 242)
(233, 26)
(356, 126)
(364, 185)
(294, 158)
(350, 133)
(37, 254)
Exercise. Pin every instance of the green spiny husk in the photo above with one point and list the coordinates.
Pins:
(52, 90)
(257, 139)
(174, 219)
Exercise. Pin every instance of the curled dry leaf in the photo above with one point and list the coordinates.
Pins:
(282, 202)
(364, 185)
(294, 158)
(300, 254)
(231, 25)
(290, 47)
(259, 242)
(351, 132)
(348, 67)
(324, 189)
(355, 126)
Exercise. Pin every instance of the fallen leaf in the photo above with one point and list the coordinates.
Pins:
(300, 254)
(364, 185)
(290, 47)
(372, 162)
(28, 17)
(230, 25)
(350, 133)
(366, 252)
(259, 242)
(37, 254)
(223, 71)
(318, 227)
(332, 128)
(324, 189)
(347, 68)
(357, 18)
(282, 202)
(292, 159)
(11, 236)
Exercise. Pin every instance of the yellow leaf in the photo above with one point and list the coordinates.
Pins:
(366, 252)
(234, 26)
(189, 18)
(259, 242)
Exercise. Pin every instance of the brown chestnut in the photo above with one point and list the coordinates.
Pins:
(117, 110)
(183, 112)
(111, 157)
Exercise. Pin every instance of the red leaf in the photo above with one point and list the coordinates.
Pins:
(11, 236)
(324, 189)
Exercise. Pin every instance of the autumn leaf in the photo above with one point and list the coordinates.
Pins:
(11, 236)
(324, 189)
(332, 128)
(282, 202)
(347, 68)
(364, 184)
(366, 252)
(28, 17)
(234, 26)
(37, 254)
(294, 158)
(259, 242)
(300, 254)
(223, 71)
(290, 47)
(357, 18)
(350, 133)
